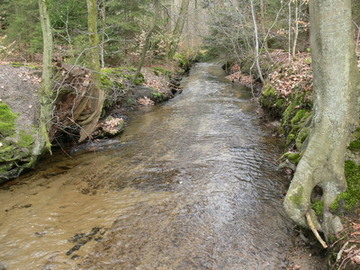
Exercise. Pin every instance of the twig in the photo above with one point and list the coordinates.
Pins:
(338, 257)
(348, 258)
(314, 230)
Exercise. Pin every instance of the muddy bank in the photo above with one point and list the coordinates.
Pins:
(19, 106)
(123, 94)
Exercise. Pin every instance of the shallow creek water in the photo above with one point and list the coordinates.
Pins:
(192, 184)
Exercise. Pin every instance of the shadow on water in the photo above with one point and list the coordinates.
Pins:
(192, 184)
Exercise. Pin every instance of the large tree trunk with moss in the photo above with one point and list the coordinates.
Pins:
(91, 107)
(179, 26)
(336, 89)
(46, 96)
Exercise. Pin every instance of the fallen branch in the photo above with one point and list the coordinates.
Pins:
(314, 230)
(339, 255)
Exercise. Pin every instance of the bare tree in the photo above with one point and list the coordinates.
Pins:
(179, 26)
(89, 110)
(157, 11)
(46, 96)
(256, 38)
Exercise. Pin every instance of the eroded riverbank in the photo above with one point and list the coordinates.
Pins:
(192, 184)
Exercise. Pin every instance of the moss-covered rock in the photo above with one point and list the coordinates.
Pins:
(15, 145)
(272, 102)
(293, 110)
(7, 120)
(115, 81)
(157, 97)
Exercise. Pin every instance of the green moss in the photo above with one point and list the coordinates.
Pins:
(318, 207)
(272, 102)
(349, 199)
(288, 114)
(298, 117)
(183, 60)
(157, 97)
(15, 146)
(140, 79)
(297, 198)
(18, 64)
(105, 81)
(111, 81)
(4, 168)
(301, 137)
(130, 102)
(26, 140)
(293, 157)
(7, 120)
(33, 67)
(269, 91)
(290, 138)
(7, 152)
(355, 144)
(161, 71)
(280, 102)
(120, 73)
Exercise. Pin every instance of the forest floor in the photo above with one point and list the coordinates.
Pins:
(289, 82)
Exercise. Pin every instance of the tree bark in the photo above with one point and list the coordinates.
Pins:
(289, 29)
(46, 95)
(263, 25)
(103, 20)
(148, 37)
(179, 26)
(93, 104)
(296, 29)
(336, 89)
(256, 38)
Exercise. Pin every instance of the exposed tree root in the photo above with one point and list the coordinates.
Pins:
(313, 229)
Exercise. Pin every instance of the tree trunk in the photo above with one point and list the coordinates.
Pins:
(93, 104)
(148, 37)
(296, 29)
(179, 26)
(256, 37)
(263, 25)
(336, 90)
(289, 29)
(103, 20)
(46, 95)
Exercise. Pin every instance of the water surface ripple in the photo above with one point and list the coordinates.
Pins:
(192, 184)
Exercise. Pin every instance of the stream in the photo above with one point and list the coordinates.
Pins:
(190, 184)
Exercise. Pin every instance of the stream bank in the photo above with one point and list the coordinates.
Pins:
(191, 184)
(286, 101)
(20, 102)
